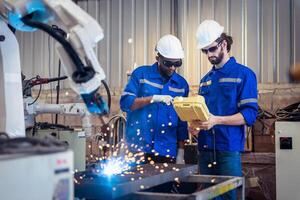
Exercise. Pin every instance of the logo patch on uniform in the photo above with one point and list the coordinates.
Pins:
(207, 83)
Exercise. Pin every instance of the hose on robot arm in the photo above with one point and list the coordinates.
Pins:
(83, 73)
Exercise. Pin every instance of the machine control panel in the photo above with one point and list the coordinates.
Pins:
(286, 142)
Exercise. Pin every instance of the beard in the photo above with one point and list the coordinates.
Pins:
(215, 60)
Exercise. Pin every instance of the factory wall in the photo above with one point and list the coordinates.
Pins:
(264, 32)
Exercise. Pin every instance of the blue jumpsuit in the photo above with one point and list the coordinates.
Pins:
(229, 90)
(154, 128)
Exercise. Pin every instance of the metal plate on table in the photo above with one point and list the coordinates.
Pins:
(95, 186)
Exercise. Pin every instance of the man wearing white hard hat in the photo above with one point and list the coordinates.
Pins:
(230, 92)
(153, 126)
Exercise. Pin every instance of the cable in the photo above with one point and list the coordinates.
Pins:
(117, 125)
(116, 116)
(58, 89)
(64, 34)
(214, 140)
(289, 113)
(49, 70)
(111, 133)
(108, 93)
(262, 116)
(27, 84)
(83, 73)
(37, 96)
(56, 35)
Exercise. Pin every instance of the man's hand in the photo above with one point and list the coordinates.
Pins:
(193, 130)
(180, 156)
(232, 120)
(197, 125)
(167, 99)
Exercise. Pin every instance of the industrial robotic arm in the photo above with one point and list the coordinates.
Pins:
(76, 51)
(75, 109)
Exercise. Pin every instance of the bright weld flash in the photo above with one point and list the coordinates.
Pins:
(115, 166)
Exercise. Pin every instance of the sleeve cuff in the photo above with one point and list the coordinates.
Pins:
(249, 116)
(127, 102)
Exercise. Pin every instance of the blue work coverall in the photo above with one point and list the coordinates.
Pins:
(154, 128)
(228, 90)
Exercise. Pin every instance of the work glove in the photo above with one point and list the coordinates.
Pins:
(167, 99)
(180, 156)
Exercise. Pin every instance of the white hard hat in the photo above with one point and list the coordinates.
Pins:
(208, 31)
(170, 46)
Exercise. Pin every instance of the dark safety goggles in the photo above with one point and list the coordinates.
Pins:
(168, 63)
(211, 49)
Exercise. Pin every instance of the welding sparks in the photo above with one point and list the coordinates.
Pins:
(115, 166)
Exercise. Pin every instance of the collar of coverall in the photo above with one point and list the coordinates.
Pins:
(225, 69)
(155, 73)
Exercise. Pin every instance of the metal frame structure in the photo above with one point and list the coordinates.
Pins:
(132, 184)
(100, 187)
(223, 185)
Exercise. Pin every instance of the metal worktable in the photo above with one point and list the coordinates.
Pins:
(221, 185)
(138, 183)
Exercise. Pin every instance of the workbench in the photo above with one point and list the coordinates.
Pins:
(140, 183)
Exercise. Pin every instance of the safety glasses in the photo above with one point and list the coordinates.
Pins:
(211, 49)
(168, 63)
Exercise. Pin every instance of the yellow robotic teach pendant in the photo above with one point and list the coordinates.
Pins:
(191, 108)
